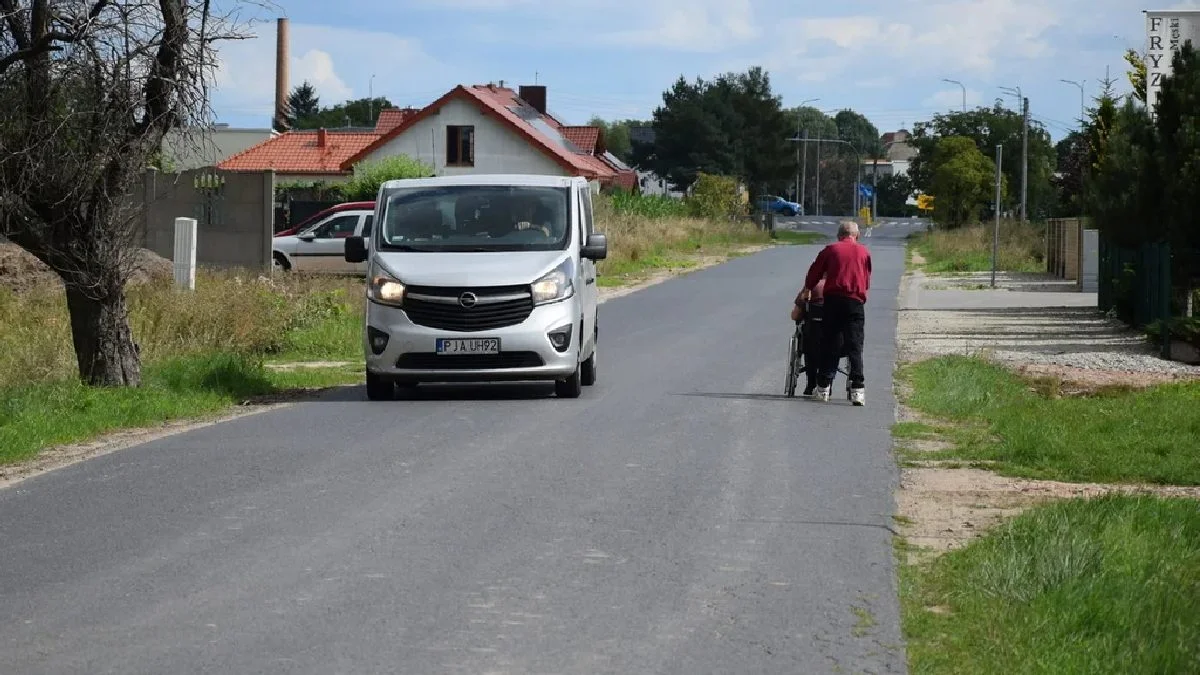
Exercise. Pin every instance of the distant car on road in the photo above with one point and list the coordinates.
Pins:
(779, 205)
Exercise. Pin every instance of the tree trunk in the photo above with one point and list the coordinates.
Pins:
(104, 346)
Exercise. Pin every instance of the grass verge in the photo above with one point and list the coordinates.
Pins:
(1107, 585)
(41, 415)
(969, 249)
(1023, 428)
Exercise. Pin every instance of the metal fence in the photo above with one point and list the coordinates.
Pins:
(1135, 284)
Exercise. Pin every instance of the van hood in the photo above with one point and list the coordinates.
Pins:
(505, 268)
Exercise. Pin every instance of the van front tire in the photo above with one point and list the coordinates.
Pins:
(380, 389)
(572, 387)
(587, 370)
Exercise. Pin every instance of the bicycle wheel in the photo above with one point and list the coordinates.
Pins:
(796, 353)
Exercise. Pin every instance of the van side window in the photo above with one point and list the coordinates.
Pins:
(370, 220)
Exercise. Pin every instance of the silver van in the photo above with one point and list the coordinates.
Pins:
(481, 278)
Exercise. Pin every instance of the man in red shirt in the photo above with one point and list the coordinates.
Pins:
(846, 268)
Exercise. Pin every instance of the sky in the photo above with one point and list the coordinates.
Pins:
(887, 59)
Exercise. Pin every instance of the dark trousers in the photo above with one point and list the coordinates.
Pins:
(814, 354)
(844, 330)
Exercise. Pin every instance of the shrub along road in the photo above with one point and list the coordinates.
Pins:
(680, 517)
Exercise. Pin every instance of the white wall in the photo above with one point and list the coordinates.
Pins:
(498, 148)
(196, 148)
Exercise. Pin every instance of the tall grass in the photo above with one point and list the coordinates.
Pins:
(227, 313)
(648, 206)
(969, 248)
(639, 243)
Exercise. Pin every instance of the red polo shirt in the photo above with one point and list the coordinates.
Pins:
(846, 268)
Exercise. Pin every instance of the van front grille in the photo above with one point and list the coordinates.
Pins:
(493, 307)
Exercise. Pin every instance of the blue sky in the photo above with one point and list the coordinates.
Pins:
(614, 58)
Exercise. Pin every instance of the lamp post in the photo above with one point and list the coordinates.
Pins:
(1024, 148)
(1082, 106)
(964, 91)
(802, 168)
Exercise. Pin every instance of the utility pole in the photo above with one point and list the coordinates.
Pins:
(804, 174)
(817, 196)
(1024, 147)
(1025, 164)
(799, 196)
(875, 189)
(996, 229)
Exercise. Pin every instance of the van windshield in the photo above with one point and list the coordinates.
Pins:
(475, 218)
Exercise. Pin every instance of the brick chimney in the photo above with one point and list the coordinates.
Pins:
(281, 73)
(322, 137)
(534, 95)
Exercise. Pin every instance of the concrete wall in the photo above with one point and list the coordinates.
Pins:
(498, 149)
(235, 213)
(1089, 279)
(1073, 252)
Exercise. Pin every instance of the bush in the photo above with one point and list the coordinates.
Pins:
(368, 176)
(717, 197)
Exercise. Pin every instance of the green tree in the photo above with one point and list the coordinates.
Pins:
(360, 112)
(1072, 157)
(893, 193)
(87, 92)
(989, 127)
(303, 103)
(1136, 73)
(1120, 184)
(838, 175)
(730, 126)
(616, 136)
(962, 179)
(1178, 159)
(856, 129)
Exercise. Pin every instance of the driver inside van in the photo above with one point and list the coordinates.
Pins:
(532, 214)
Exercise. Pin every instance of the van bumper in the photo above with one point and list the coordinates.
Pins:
(526, 350)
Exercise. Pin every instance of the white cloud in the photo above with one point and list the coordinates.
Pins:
(952, 98)
(338, 62)
(696, 26)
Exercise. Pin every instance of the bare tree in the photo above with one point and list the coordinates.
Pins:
(88, 88)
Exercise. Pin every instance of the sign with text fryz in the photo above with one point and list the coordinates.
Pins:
(1166, 32)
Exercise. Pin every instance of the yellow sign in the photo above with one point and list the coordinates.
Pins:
(925, 202)
(864, 214)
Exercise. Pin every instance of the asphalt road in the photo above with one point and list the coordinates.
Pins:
(681, 517)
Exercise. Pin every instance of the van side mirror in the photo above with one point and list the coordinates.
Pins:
(356, 249)
(596, 247)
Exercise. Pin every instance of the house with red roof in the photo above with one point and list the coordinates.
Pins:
(494, 129)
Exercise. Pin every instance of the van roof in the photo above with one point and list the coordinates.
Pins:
(514, 179)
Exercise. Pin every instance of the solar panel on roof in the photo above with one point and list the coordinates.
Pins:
(616, 162)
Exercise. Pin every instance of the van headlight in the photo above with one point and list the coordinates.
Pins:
(384, 289)
(556, 285)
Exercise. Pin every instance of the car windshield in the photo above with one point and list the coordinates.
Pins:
(475, 218)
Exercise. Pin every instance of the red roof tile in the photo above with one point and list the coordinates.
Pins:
(301, 152)
(499, 101)
(390, 118)
(584, 138)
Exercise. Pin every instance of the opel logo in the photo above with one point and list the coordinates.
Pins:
(467, 299)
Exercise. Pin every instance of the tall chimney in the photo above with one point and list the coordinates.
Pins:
(534, 95)
(281, 74)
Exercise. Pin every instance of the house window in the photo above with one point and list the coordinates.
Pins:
(460, 146)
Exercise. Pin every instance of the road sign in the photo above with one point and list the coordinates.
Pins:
(925, 202)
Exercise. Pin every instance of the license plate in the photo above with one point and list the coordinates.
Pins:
(448, 346)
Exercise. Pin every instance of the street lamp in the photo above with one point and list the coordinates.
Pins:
(964, 91)
(1082, 107)
(802, 168)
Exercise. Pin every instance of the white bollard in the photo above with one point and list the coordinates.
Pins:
(185, 253)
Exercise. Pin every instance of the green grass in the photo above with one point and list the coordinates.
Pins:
(1114, 435)
(36, 416)
(799, 238)
(1108, 585)
(969, 249)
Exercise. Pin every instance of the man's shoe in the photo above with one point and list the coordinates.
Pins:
(823, 393)
(858, 396)
(808, 391)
